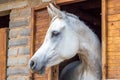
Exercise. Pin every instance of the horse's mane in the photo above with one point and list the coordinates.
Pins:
(71, 15)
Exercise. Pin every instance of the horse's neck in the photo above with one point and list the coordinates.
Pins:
(84, 74)
(89, 69)
(90, 54)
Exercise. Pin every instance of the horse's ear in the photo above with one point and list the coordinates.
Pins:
(53, 11)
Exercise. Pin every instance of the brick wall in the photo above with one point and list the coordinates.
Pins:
(19, 44)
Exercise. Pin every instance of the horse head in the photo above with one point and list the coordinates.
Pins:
(61, 41)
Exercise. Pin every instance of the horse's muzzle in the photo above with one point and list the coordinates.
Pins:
(32, 64)
(37, 67)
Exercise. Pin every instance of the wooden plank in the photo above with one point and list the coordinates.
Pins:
(32, 33)
(113, 33)
(113, 56)
(113, 10)
(115, 65)
(113, 40)
(42, 28)
(113, 47)
(112, 53)
(114, 25)
(115, 17)
(63, 2)
(55, 72)
(113, 3)
(104, 36)
(114, 74)
(32, 39)
(113, 59)
(113, 36)
(3, 42)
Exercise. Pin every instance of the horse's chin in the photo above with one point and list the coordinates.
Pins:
(42, 70)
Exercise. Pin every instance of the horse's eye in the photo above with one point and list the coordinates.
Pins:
(55, 33)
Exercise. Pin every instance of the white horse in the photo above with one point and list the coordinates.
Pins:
(66, 37)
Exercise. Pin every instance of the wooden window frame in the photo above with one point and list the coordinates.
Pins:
(104, 31)
(5, 30)
(104, 39)
(32, 39)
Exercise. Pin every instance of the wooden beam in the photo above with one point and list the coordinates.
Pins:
(60, 2)
(63, 2)
(42, 6)
(32, 39)
(87, 4)
(3, 51)
(104, 39)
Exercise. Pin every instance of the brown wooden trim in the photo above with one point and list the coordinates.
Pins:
(104, 39)
(61, 2)
(32, 39)
(32, 32)
(5, 35)
(41, 6)
(50, 70)
(5, 50)
(55, 72)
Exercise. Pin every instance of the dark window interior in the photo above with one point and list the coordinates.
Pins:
(4, 21)
(90, 12)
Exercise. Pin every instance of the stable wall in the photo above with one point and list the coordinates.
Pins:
(19, 44)
(19, 38)
(113, 39)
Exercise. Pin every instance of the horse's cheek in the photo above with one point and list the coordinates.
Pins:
(73, 49)
(69, 50)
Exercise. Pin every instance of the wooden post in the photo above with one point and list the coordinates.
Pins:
(32, 38)
(3, 43)
(104, 39)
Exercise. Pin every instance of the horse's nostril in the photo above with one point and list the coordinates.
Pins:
(32, 64)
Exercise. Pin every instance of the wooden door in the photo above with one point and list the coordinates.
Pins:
(3, 33)
(113, 40)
